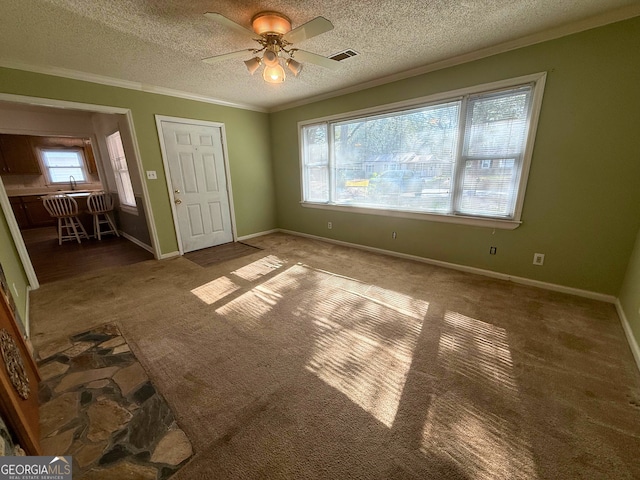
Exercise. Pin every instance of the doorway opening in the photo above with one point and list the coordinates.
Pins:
(42, 125)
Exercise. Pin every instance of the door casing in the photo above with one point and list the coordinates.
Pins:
(167, 174)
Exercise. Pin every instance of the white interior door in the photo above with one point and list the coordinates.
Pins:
(197, 169)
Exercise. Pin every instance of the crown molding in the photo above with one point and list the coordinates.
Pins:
(116, 82)
(606, 18)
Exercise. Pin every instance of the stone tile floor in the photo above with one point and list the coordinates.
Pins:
(98, 405)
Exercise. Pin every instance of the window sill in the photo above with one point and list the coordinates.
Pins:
(129, 209)
(431, 217)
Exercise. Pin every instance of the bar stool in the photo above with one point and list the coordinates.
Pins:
(100, 206)
(65, 209)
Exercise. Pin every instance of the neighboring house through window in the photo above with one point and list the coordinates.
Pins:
(120, 170)
(460, 156)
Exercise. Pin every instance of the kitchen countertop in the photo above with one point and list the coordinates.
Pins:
(24, 192)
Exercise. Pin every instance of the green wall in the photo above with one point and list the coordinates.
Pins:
(630, 292)
(582, 207)
(12, 267)
(247, 141)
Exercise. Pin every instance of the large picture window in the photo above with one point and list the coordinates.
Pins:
(463, 156)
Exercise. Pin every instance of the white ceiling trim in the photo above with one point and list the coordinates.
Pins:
(539, 37)
(61, 104)
(116, 82)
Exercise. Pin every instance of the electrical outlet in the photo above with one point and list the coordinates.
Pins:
(538, 258)
(492, 251)
(329, 225)
(152, 175)
(394, 235)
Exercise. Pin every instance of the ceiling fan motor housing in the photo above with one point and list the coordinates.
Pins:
(274, 23)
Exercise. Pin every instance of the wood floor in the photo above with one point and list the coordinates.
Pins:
(56, 262)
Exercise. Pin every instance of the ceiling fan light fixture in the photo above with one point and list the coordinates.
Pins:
(270, 58)
(274, 74)
(295, 67)
(253, 64)
(270, 22)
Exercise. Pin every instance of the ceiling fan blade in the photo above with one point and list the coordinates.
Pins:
(307, 30)
(304, 56)
(228, 56)
(216, 17)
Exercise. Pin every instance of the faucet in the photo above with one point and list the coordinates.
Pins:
(72, 182)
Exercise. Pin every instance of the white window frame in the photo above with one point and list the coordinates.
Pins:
(537, 80)
(47, 174)
(117, 175)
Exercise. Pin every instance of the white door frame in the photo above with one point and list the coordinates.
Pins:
(4, 199)
(167, 175)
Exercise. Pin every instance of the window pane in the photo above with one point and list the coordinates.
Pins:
(62, 159)
(62, 175)
(120, 169)
(127, 190)
(315, 145)
(317, 188)
(63, 164)
(498, 124)
(401, 161)
(489, 191)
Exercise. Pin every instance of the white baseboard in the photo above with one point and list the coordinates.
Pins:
(633, 343)
(247, 237)
(463, 268)
(166, 256)
(148, 248)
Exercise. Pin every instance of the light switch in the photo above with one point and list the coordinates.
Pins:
(151, 175)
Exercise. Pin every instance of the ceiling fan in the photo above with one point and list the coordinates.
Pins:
(272, 31)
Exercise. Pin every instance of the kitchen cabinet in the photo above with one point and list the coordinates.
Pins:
(30, 212)
(36, 213)
(18, 156)
(3, 165)
(18, 212)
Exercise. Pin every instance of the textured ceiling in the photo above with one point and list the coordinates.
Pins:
(160, 43)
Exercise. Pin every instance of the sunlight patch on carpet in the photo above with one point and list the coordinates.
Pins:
(479, 424)
(364, 335)
(259, 268)
(251, 306)
(248, 308)
(364, 343)
(477, 350)
(215, 290)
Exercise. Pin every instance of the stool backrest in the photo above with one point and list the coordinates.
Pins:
(100, 202)
(60, 205)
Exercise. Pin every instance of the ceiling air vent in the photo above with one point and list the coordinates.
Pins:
(343, 55)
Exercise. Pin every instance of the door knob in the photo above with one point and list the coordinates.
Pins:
(178, 201)
(177, 190)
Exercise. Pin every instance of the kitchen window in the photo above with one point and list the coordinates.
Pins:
(120, 170)
(461, 157)
(64, 166)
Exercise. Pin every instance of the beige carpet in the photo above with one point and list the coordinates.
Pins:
(307, 360)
